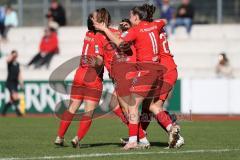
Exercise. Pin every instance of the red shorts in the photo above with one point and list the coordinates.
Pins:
(123, 74)
(86, 85)
(146, 84)
(169, 80)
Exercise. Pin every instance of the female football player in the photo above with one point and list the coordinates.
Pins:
(86, 88)
(144, 36)
(166, 83)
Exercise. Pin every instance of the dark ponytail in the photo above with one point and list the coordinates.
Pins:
(90, 23)
(150, 9)
(145, 12)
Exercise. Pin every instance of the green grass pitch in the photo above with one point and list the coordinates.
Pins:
(32, 138)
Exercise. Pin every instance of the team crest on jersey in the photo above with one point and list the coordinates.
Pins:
(96, 49)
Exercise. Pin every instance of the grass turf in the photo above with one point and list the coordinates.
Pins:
(33, 137)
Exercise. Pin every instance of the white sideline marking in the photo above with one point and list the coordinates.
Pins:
(124, 154)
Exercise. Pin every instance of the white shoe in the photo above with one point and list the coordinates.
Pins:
(59, 141)
(131, 145)
(124, 140)
(173, 136)
(144, 145)
(180, 142)
(75, 142)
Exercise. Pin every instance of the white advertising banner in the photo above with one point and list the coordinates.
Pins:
(210, 96)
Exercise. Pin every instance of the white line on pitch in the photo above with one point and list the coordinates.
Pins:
(123, 154)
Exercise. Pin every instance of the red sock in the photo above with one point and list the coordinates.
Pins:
(66, 120)
(141, 133)
(133, 129)
(164, 119)
(118, 111)
(84, 126)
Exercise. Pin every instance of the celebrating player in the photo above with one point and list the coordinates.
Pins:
(166, 83)
(170, 78)
(144, 36)
(86, 88)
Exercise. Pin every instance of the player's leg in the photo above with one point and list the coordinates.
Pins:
(164, 119)
(117, 109)
(14, 98)
(85, 122)
(8, 105)
(145, 120)
(66, 120)
(146, 114)
(133, 118)
(92, 93)
(161, 115)
(77, 95)
(15, 101)
(142, 88)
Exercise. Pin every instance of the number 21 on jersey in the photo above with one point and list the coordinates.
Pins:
(163, 38)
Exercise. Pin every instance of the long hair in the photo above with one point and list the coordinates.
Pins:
(145, 12)
(103, 16)
(90, 24)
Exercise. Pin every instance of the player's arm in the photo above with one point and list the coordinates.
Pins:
(160, 23)
(113, 37)
(123, 42)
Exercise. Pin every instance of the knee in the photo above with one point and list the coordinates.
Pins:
(73, 107)
(156, 107)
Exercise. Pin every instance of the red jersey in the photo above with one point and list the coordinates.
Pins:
(145, 37)
(89, 47)
(109, 50)
(165, 56)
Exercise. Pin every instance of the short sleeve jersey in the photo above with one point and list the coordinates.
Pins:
(165, 56)
(145, 38)
(109, 50)
(90, 48)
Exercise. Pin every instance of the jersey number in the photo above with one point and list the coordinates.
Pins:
(154, 42)
(163, 36)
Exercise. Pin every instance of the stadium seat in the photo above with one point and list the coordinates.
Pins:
(196, 55)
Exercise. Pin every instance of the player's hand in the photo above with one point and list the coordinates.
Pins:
(99, 26)
(92, 61)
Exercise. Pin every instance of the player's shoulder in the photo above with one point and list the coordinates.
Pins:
(101, 37)
(134, 29)
(89, 34)
(161, 22)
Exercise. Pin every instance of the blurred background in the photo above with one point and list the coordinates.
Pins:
(203, 37)
(31, 12)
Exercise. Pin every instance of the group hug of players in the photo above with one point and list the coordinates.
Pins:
(141, 67)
